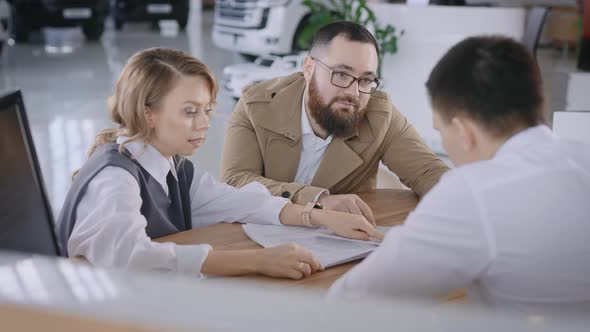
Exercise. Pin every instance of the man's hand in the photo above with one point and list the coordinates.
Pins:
(349, 203)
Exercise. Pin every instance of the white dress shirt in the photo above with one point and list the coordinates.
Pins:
(313, 149)
(513, 230)
(110, 229)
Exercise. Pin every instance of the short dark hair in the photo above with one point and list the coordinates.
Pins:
(350, 30)
(493, 80)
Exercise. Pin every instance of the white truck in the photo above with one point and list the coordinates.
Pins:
(258, 27)
(236, 77)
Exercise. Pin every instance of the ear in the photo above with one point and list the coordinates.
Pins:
(150, 117)
(308, 68)
(466, 133)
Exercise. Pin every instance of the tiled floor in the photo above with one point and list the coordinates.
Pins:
(65, 94)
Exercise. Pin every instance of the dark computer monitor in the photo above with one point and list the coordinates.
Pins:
(26, 221)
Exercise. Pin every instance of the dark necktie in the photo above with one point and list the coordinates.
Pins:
(175, 211)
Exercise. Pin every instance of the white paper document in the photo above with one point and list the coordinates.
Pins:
(328, 248)
(326, 233)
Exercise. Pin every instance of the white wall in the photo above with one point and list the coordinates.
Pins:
(429, 32)
(572, 125)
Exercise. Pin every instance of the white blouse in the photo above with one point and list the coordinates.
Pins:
(110, 229)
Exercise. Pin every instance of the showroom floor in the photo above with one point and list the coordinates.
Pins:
(66, 81)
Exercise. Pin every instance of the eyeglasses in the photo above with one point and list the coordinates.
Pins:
(344, 80)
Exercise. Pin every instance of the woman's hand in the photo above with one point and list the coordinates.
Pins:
(352, 226)
(348, 225)
(286, 261)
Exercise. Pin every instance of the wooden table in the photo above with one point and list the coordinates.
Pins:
(390, 207)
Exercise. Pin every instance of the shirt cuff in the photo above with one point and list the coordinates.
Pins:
(306, 194)
(190, 258)
(315, 199)
(271, 210)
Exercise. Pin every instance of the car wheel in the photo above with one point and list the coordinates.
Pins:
(93, 29)
(118, 23)
(183, 18)
(182, 23)
(20, 27)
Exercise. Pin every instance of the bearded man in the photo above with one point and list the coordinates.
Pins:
(319, 136)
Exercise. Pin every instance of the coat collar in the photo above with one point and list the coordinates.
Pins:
(285, 107)
(283, 116)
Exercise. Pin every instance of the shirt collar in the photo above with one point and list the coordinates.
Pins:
(150, 159)
(525, 138)
(306, 125)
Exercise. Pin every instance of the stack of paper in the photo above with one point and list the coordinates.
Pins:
(328, 248)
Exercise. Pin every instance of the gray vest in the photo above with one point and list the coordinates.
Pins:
(164, 215)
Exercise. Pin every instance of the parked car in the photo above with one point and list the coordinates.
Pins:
(150, 10)
(4, 21)
(30, 15)
(236, 77)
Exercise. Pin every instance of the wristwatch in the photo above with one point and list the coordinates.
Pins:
(306, 214)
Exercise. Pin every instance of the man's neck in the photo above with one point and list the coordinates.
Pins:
(315, 126)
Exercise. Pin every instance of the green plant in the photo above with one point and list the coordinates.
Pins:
(325, 12)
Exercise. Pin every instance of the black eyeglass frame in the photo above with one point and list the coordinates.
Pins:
(354, 79)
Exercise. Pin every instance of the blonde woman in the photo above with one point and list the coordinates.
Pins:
(137, 186)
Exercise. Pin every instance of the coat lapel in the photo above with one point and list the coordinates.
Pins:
(283, 151)
(284, 111)
(283, 117)
(339, 161)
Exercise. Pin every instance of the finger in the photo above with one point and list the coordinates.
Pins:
(363, 225)
(379, 236)
(304, 268)
(367, 212)
(307, 257)
(354, 208)
(357, 235)
(294, 274)
(366, 227)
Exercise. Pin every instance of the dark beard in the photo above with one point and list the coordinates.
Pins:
(336, 122)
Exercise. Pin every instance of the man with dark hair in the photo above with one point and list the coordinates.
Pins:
(511, 222)
(318, 136)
